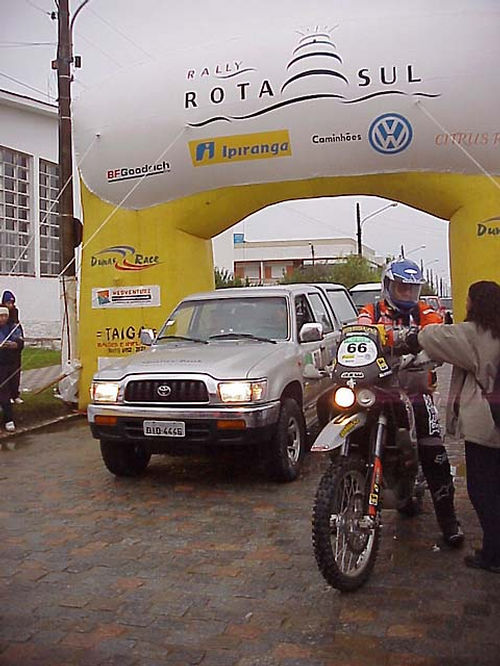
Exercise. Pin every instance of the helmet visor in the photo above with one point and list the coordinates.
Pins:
(404, 293)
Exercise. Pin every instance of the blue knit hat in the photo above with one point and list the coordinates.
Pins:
(8, 296)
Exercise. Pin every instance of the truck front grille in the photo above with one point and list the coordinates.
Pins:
(166, 391)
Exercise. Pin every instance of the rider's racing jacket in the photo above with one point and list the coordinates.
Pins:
(420, 316)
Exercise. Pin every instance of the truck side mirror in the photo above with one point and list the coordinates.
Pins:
(311, 332)
(147, 336)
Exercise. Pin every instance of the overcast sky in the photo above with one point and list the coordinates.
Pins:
(113, 35)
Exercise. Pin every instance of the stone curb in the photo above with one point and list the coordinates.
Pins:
(36, 426)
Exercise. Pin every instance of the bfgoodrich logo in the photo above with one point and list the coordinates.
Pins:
(240, 147)
(390, 133)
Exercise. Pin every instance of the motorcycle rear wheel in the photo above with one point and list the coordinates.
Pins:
(344, 546)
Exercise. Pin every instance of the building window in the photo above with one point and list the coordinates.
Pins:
(49, 218)
(17, 255)
(278, 271)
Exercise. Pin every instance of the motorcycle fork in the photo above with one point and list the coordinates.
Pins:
(376, 466)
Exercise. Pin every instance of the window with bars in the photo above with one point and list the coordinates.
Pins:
(49, 218)
(17, 251)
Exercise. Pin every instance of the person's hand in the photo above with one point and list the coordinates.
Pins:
(406, 341)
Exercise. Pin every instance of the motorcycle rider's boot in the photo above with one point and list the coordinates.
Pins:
(437, 472)
(447, 519)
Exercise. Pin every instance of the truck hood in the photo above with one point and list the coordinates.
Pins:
(221, 360)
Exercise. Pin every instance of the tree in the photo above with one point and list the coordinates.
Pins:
(225, 279)
(348, 271)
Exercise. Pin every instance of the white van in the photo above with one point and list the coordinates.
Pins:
(365, 292)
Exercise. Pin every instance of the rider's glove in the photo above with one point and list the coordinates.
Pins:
(406, 341)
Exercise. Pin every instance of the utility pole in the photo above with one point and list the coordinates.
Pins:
(69, 239)
(66, 209)
(358, 229)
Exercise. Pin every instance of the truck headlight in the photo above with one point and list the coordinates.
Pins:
(242, 391)
(104, 391)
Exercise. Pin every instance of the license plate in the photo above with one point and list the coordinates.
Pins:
(164, 428)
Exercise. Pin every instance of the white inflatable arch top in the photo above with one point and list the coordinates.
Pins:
(332, 89)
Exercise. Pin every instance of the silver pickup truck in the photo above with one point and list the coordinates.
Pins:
(233, 367)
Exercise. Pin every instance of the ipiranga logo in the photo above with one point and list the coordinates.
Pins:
(258, 146)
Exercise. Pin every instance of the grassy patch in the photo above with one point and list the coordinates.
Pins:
(35, 357)
(39, 408)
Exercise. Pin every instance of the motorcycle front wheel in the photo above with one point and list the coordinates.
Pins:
(345, 541)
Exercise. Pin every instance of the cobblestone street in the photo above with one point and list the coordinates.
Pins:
(202, 561)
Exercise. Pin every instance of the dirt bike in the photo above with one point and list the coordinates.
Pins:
(373, 446)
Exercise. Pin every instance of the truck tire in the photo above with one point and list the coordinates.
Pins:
(288, 446)
(124, 458)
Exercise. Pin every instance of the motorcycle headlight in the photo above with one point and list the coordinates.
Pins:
(344, 397)
(242, 391)
(104, 391)
(366, 398)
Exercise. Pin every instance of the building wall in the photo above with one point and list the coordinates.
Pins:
(266, 262)
(27, 127)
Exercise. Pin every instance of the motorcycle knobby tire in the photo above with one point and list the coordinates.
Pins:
(328, 497)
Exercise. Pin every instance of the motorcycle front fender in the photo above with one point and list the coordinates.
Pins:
(335, 432)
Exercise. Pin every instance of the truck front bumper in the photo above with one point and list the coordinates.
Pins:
(204, 426)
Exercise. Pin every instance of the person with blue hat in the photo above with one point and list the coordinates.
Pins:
(9, 301)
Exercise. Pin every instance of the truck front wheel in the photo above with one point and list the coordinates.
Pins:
(287, 447)
(124, 458)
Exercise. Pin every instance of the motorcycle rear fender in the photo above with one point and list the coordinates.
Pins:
(335, 432)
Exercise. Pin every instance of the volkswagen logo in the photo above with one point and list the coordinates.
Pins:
(390, 133)
(164, 390)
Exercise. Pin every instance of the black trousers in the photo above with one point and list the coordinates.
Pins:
(483, 486)
(7, 412)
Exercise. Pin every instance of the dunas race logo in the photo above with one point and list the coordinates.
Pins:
(124, 258)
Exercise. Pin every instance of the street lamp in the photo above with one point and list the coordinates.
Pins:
(360, 221)
(415, 249)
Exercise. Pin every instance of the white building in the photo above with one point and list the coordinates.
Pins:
(268, 261)
(29, 228)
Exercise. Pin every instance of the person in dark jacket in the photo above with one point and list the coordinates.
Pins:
(473, 348)
(9, 301)
(11, 342)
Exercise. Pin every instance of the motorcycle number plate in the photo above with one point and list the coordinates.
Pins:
(356, 351)
(164, 428)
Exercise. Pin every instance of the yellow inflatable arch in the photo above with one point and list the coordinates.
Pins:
(395, 101)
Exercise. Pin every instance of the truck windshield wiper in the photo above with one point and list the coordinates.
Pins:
(181, 337)
(250, 336)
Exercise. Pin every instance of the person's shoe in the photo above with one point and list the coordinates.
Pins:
(475, 561)
(18, 400)
(10, 426)
(453, 536)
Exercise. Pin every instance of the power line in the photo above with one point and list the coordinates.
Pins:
(119, 32)
(44, 11)
(22, 45)
(11, 78)
(98, 48)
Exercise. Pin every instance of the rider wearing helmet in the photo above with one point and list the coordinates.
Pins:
(400, 308)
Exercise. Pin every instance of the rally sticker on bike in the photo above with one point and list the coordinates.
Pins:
(349, 427)
(357, 350)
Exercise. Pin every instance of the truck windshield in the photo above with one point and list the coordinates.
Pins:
(261, 317)
(361, 298)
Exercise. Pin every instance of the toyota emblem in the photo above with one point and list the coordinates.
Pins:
(164, 390)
